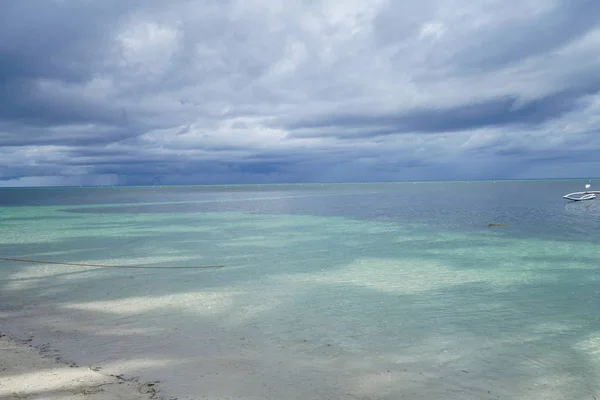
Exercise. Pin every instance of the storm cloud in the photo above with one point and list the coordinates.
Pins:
(206, 91)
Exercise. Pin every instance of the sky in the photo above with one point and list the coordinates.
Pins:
(142, 92)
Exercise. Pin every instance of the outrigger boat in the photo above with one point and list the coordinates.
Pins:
(580, 196)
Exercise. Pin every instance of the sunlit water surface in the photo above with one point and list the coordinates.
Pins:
(355, 291)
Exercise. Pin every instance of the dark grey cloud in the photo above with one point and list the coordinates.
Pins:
(34, 106)
(517, 39)
(51, 39)
(204, 91)
(505, 111)
(48, 47)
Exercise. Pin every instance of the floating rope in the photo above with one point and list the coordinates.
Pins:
(108, 266)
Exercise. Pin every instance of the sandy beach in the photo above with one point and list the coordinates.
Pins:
(27, 373)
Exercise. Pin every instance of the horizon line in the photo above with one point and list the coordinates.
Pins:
(297, 183)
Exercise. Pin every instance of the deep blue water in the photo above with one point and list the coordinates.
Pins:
(528, 207)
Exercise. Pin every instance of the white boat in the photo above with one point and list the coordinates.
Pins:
(580, 196)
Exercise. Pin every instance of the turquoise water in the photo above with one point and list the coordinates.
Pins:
(357, 291)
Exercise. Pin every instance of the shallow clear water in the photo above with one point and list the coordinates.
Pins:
(359, 291)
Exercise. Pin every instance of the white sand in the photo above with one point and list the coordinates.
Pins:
(25, 373)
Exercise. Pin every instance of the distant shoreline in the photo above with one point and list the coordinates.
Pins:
(223, 185)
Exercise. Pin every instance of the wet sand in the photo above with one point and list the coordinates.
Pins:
(27, 373)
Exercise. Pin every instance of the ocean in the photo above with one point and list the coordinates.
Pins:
(334, 291)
